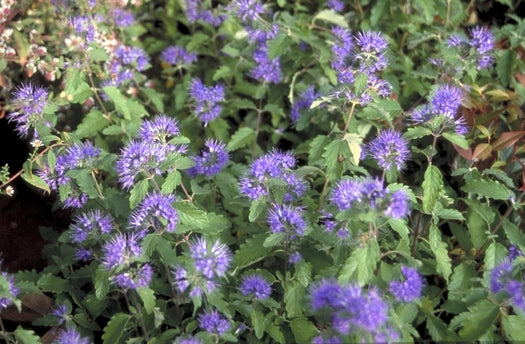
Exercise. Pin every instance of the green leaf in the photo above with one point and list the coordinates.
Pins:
(115, 329)
(432, 186)
(354, 142)
(438, 330)
(360, 83)
(191, 216)
(488, 188)
(251, 251)
(273, 330)
(478, 320)
(171, 182)
(450, 214)
(155, 97)
(303, 330)
(119, 100)
(332, 17)
(36, 181)
(97, 54)
(494, 254)
(334, 168)
(241, 138)
(138, 192)
(101, 281)
(274, 239)
(92, 124)
(514, 234)
(513, 326)
(456, 139)
(26, 336)
(52, 283)
(222, 73)
(505, 65)
(461, 279)
(425, 9)
(277, 46)
(148, 299)
(316, 151)
(257, 322)
(303, 273)
(360, 266)
(257, 208)
(294, 298)
(417, 133)
(479, 220)
(443, 261)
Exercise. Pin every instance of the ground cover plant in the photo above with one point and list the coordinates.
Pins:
(270, 172)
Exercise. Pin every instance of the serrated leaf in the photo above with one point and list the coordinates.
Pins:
(513, 326)
(514, 234)
(479, 320)
(450, 214)
(494, 255)
(277, 46)
(101, 281)
(303, 273)
(505, 65)
(148, 299)
(334, 168)
(438, 330)
(119, 100)
(354, 142)
(91, 124)
(316, 151)
(171, 182)
(439, 248)
(425, 9)
(479, 219)
(332, 17)
(191, 216)
(462, 277)
(488, 188)
(36, 181)
(52, 283)
(241, 138)
(456, 139)
(303, 330)
(417, 133)
(222, 73)
(138, 192)
(274, 239)
(257, 207)
(251, 251)
(294, 298)
(155, 97)
(26, 336)
(115, 329)
(432, 186)
(257, 322)
(360, 266)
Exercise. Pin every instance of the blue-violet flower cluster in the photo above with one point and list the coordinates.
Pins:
(206, 100)
(410, 289)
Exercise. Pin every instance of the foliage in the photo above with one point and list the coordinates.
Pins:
(271, 171)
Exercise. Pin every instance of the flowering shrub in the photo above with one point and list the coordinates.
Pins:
(262, 172)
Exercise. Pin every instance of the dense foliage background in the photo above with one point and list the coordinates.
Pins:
(290, 172)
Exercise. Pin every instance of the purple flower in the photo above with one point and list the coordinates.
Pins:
(410, 289)
(160, 131)
(12, 290)
(456, 41)
(61, 313)
(83, 254)
(303, 103)
(134, 278)
(210, 260)
(256, 285)
(325, 294)
(265, 69)
(28, 102)
(346, 193)
(71, 336)
(248, 10)
(446, 100)
(195, 12)
(213, 322)
(399, 206)
(389, 149)
(188, 341)
(342, 48)
(139, 158)
(128, 55)
(262, 34)
(371, 42)
(499, 276)
(286, 219)
(120, 250)
(251, 188)
(155, 212)
(122, 17)
(91, 224)
(326, 340)
(336, 5)
(177, 55)
(514, 252)
(483, 41)
(272, 165)
(212, 159)
(206, 99)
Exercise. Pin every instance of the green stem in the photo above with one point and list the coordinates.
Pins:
(141, 318)
(347, 123)
(4, 332)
